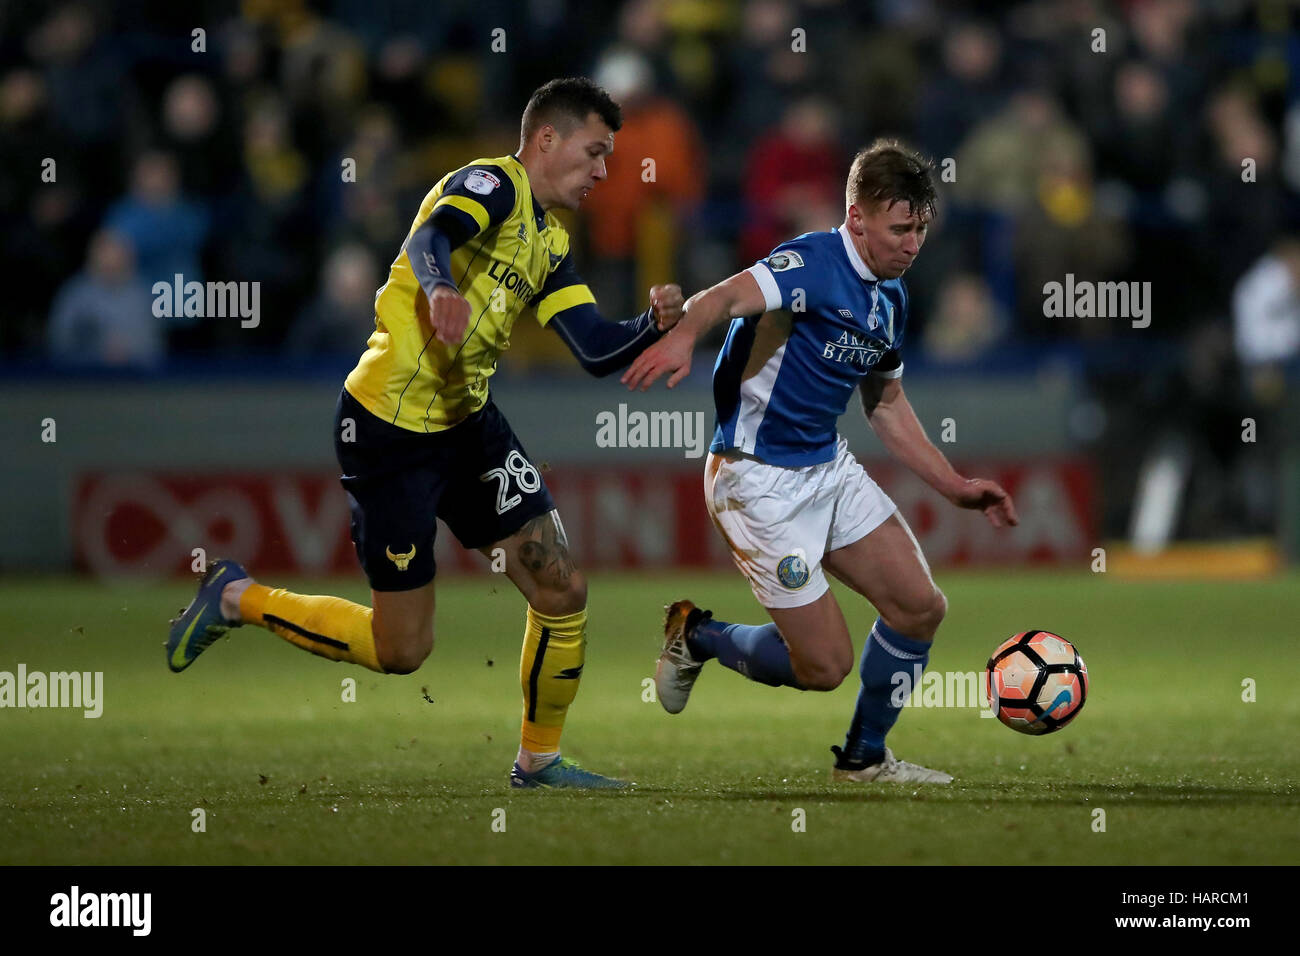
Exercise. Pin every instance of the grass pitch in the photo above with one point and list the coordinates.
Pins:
(257, 735)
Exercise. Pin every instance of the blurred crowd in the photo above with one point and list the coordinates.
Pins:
(1153, 140)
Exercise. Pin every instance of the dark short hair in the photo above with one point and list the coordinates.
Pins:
(888, 172)
(565, 104)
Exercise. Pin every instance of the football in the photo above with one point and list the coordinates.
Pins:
(1036, 682)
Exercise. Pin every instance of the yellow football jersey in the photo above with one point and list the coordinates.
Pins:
(407, 376)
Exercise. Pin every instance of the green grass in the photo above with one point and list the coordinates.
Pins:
(257, 735)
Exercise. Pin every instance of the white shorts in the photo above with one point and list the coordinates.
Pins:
(780, 521)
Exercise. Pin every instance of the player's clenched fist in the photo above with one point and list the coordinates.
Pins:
(666, 300)
(448, 314)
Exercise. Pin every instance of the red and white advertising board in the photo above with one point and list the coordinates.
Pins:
(616, 517)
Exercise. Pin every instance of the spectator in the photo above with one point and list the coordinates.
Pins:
(369, 204)
(44, 218)
(85, 74)
(272, 233)
(794, 182)
(965, 323)
(1143, 141)
(1000, 164)
(103, 316)
(1245, 213)
(1266, 308)
(193, 132)
(166, 230)
(340, 319)
(1266, 334)
(765, 70)
(1062, 230)
(641, 210)
(966, 90)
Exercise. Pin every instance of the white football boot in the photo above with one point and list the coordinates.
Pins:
(889, 770)
(675, 675)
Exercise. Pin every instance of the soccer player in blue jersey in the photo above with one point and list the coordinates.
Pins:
(419, 438)
(823, 315)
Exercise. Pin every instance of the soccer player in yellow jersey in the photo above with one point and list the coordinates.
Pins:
(418, 436)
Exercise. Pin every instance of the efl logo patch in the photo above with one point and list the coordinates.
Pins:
(793, 571)
(781, 261)
(481, 181)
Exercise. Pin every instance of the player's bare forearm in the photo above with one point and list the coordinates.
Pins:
(891, 417)
(704, 310)
(671, 355)
(901, 432)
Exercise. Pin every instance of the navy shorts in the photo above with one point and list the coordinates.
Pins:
(475, 476)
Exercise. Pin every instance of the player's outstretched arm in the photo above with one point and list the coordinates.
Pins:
(671, 355)
(893, 420)
(601, 346)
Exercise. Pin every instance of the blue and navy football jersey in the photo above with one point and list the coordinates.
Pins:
(783, 378)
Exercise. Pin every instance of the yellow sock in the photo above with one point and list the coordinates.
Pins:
(328, 626)
(549, 669)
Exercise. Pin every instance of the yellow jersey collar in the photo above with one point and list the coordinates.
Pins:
(538, 212)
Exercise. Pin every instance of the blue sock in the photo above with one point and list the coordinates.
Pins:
(758, 652)
(887, 654)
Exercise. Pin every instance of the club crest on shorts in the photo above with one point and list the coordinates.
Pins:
(401, 560)
(793, 571)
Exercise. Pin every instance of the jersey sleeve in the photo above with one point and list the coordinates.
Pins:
(480, 197)
(785, 277)
(472, 201)
(562, 290)
(601, 346)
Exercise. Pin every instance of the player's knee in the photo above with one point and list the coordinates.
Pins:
(403, 659)
(927, 615)
(826, 674)
(935, 613)
(919, 617)
(402, 649)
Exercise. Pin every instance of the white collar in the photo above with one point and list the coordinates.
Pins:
(859, 266)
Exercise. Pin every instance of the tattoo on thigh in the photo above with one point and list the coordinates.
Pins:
(545, 550)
